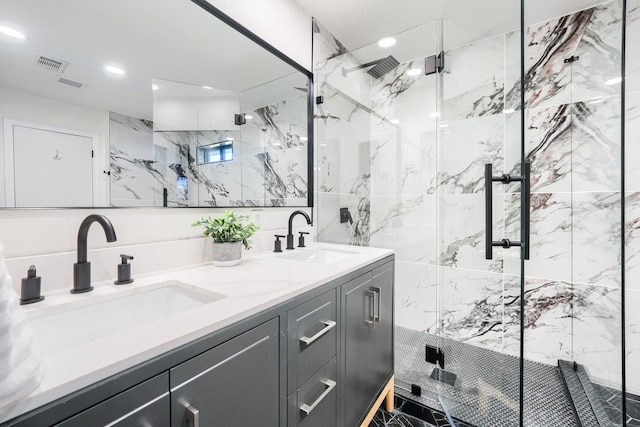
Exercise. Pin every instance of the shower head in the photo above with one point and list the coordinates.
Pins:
(383, 66)
(378, 68)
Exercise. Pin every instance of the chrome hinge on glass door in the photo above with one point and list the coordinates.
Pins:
(489, 179)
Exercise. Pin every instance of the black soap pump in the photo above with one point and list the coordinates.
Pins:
(124, 271)
(30, 288)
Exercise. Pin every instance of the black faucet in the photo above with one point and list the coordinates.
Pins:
(82, 269)
(290, 233)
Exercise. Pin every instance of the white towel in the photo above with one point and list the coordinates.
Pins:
(21, 368)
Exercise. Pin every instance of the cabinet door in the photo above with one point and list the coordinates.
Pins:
(144, 405)
(367, 303)
(233, 384)
(382, 334)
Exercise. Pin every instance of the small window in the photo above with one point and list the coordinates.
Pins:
(215, 153)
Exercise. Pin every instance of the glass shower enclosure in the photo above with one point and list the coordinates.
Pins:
(485, 148)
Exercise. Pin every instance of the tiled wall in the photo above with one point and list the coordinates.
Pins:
(416, 186)
(269, 166)
(632, 196)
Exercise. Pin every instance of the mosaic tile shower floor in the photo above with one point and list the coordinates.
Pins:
(486, 392)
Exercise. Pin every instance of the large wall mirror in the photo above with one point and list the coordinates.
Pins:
(192, 112)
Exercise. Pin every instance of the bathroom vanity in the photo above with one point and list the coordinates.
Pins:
(302, 338)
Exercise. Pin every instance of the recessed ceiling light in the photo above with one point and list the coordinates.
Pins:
(387, 42)
(207, 87)
(509, 111)
(614, 81)
(304, 138)
(414, 72)
(434, 115)
(12, 32)
(115, 70)
(155, 87)
(394, 121)
(248, 117)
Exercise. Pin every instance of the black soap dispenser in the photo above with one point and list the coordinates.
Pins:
(124, 270)
(30, 288)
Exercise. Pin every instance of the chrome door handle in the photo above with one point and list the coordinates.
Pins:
(330, 386)
(372, 310)
(376, 314)
(193, 416)
(330, 324)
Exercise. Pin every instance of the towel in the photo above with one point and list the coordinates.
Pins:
(21, 367)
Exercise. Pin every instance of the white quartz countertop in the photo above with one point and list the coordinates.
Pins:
(262, 280)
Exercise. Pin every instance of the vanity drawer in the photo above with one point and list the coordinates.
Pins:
(312, 341)
(315, 402)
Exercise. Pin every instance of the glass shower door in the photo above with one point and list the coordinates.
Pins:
(573, 139)
(480, 179)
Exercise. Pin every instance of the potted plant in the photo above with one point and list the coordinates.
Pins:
(229, 233)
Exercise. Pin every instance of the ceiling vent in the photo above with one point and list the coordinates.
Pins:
(50, 63)
(66, 81)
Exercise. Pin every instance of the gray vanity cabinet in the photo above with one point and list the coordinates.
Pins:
(317, 360)
(233, 384)
(367, 340)
(146, 404)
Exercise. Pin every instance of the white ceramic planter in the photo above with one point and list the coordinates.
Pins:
(227, 254)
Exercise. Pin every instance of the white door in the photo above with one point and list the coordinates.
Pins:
(51, 168)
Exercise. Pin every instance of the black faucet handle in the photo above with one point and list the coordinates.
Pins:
(30, 287)
(277, 245)
(124, 270)
(301, 239)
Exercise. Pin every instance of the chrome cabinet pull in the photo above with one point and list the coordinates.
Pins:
(371, 322)
(376, 314)
(193, 416)
(330, 386)
(330, 324)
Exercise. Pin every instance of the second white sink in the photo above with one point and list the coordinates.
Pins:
(60, 328)
(322, 256)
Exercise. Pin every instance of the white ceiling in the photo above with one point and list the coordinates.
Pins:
(165, 39)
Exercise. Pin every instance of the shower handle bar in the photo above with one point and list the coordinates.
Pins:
(489, 179)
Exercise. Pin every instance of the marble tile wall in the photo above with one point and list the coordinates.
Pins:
(424, 197)
(131, 161)
(632, 197)
(269, 166)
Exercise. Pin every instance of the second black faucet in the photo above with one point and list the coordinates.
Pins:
(290, 232)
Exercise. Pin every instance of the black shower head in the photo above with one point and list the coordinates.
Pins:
(378, 68)
(383, 66)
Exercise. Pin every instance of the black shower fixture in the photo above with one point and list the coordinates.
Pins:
(378, 68)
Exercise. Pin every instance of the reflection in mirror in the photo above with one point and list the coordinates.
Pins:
(181, 89)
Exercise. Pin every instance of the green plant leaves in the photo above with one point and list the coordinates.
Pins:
(228, 228)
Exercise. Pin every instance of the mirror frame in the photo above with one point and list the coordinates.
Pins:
(204, 4)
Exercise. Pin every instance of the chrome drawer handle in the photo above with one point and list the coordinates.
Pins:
(330, 386)
(330, 324)
(193, 416)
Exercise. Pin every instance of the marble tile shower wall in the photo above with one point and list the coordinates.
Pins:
(269, 167)
(386, 174)
(632, 196)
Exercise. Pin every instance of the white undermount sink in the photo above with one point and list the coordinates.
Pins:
(322, 256)
(73, 324)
